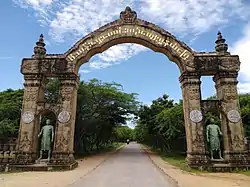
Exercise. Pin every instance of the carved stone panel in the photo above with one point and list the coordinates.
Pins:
(30, 66)
(193, 92)
(230, 92)
(25, 141)
(230, 63)
(66, 93)
(210, 105)
(30, 94)
(62, 143)
(52, 65)
(237, 142)
(206, 65)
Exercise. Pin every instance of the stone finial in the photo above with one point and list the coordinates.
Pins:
(221, 46)
(128, 16)
(39, 49)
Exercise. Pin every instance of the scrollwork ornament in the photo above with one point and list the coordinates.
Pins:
(196, 116)
(28, 117)
(64, 117)
(233, 116)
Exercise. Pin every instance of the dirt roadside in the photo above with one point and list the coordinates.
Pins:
(57, 178)
(186, 179)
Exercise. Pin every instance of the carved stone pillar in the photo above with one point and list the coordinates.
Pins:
(196, 154)
(231, 123)
(27, 138)
(65, 130)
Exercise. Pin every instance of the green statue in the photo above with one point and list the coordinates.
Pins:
(47, 133)
(213, 138)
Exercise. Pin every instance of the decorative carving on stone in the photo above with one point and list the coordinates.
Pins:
(66, 93)
(31, 94)
(25, 141)
(52, 65)
(128, 16)
(196, 116)
(30, 66)
(198, 142)
(23, 158)
(52, 107)
(193, 92)
(206, 64)
(64, 117)
(63, 140)
(237, 142)
(230, 92)
(231, 63)
(233, 116)
(210, 105)
(28, 117)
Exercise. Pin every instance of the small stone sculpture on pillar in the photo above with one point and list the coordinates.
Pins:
(213, 133)
(47, 133)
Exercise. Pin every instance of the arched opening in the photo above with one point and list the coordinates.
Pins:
(131, 40)
(165, 72)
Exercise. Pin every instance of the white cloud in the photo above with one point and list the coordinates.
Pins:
(115, 55)
(193, 16)
(99, 65)
(33, 3)
(84, 71)
(5, 57)
(73, 19)
(241, 48)
(121, 52)
(78, 17)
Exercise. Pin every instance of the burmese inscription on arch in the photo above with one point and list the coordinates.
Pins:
(132, 31)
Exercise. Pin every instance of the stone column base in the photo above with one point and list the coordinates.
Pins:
(197, 160)
(27, 161)
(240, 160)
(25, 158)
(232, 161)
(62, 158)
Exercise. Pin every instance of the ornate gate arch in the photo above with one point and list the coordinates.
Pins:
(129, 29)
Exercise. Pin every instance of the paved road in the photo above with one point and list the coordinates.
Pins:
(130, 167)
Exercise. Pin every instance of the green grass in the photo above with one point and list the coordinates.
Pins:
(243, 172)
(180, 162)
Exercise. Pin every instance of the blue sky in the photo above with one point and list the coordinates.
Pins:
(138, 69)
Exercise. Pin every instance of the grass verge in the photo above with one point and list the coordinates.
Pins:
(179, 161)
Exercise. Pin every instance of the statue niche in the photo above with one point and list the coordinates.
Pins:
(47, 137)
(214, 134)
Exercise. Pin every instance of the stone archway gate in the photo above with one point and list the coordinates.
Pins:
(129, 29)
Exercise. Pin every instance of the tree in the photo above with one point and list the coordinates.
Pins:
(101, 108)
(244, 100)
(10, 111)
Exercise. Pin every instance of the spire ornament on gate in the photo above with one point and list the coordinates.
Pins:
(221, 46)
(39, 49)
(128, 16)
